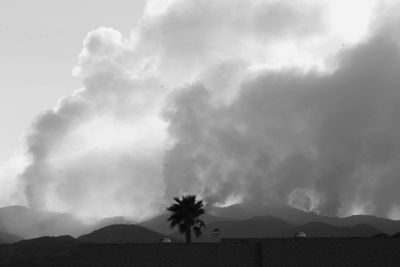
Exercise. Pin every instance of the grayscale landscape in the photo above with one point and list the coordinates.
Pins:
(200, 133)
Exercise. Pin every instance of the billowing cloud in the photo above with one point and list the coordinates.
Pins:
(99, 152)
(11, 190)
(253, 101)
(288, 136)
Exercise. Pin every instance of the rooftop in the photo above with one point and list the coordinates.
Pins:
(149, 255)
(245, 253)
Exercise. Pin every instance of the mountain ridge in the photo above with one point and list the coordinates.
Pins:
(19, 222)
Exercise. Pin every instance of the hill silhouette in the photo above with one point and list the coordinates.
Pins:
(318, 229)
(286, 213)
(260, 227)
(299, 217)
(109, 221)
(160, 224)
(122, 233)
(6, 238)
(18, 222)
(271, 227)
(385, 225)
(28, 223)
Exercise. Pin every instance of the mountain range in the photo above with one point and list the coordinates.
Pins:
(299, 217)
(237, 221)
(18, 222)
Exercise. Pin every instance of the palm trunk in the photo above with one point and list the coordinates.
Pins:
(188, 234)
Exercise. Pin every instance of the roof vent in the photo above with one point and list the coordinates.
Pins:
(165, 240)
(300, 235)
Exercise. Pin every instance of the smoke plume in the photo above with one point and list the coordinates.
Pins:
(260, 102)
(322, 142)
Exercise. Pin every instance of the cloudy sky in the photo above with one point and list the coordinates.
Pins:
(113, 107)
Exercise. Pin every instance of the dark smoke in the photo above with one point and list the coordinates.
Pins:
(325, 142)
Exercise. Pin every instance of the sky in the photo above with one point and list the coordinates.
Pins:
(39, 43)
(113, 107)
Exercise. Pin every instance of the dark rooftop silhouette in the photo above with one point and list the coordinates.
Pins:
(231, 252)
(330, 252)
(245, 253)
(174, 255)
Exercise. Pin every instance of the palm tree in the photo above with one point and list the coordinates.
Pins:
(185, 214)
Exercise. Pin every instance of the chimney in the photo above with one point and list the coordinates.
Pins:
(216, 235)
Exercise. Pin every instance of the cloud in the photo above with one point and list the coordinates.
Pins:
(189, 36)
(98, 152)
(257, 101)
(11, 190)
(290, 134)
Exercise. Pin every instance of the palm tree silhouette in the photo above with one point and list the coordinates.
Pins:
(185, 214)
